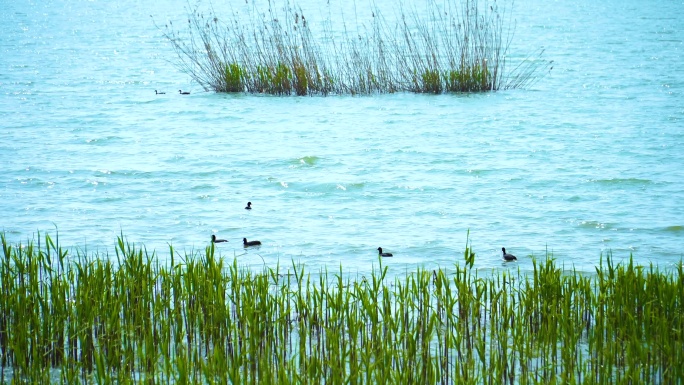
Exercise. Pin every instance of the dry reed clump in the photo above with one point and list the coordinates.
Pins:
(199, 320)
(448, 47)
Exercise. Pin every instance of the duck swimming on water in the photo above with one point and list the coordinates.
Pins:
(250, 243)
(183, 92)
(508, 257)
(249, 206)
(214, 240)
(159, 93)
(384, 254)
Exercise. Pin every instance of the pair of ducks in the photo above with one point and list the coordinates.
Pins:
(179, 91)
(245, 242)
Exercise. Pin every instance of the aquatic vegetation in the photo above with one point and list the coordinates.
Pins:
(198, 319)
(451, 46)
(234, 75)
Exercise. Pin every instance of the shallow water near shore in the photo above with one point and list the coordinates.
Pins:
(585, 162)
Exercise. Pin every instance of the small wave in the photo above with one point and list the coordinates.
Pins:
(355, 186)
(326, 187)
(202, 187)
(478, 172)
(177, 158)
(349, 186)
(110, 199)
(104, 141)
(622, 181)
(674, 229)
(305, 161)
(596, 225)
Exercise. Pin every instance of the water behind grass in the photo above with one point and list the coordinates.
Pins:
(588, 161)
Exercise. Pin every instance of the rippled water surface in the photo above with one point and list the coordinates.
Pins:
(585, 162)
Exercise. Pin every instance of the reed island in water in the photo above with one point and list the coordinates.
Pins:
(454, 46)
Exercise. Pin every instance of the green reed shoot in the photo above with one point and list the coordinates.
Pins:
(201, 318)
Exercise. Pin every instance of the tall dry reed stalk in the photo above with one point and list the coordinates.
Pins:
(450, 46)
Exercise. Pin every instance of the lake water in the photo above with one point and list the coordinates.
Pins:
(587, 161)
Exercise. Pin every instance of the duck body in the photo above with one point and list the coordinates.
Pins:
(246, 243)
(384, 254)
(249, 206)
(508, 257)
(183, 92)
(214, 240)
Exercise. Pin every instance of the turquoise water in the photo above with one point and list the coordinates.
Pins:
(585, 162)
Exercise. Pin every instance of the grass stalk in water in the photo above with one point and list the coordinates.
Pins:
(199, 318)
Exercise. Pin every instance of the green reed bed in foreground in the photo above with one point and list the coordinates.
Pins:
(198, 319)
(449, 46)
